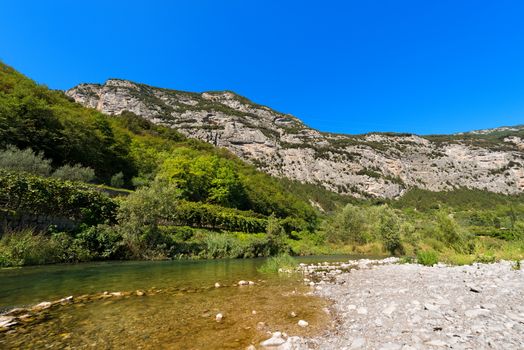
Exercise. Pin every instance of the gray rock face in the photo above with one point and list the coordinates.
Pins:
(379, 165)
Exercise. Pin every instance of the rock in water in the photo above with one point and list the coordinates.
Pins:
(219, 317)
(42, 306)
(303, 323)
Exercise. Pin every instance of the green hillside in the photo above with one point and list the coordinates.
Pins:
(78, 185)
(128, 151)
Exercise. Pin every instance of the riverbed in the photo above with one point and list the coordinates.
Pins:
(160, 305)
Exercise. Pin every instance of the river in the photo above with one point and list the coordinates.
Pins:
(177, 311)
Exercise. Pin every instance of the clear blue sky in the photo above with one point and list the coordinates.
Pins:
(342, 66)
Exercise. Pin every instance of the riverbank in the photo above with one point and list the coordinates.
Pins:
(410, 306)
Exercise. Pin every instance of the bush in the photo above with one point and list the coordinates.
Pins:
(485, 258)
(26, 247)
(26, 160)
(102, 242)
(221, 246)
(276, 263)
(447, 229)
(276, 237)
(389, 231)
(348, 226)
(117, 180)
(75, 173)
(427, 258)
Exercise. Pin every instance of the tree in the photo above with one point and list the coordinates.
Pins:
(389, 231)
(26, 160)
(348, 226)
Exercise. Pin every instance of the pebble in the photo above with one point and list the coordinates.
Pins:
(358, 343)
(362, 311)
(219, 317)
(383, 305)
(217, 285)
(476, 313)
(436, 342)
(303, 323)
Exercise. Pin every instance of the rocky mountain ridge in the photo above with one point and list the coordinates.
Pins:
(382, 165)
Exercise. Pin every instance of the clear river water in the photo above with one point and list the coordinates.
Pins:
(177, 310)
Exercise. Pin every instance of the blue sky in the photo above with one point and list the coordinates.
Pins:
(342, 66)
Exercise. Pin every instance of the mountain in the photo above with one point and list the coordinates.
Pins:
(383, 165)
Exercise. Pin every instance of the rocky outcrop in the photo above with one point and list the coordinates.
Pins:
(377, 164)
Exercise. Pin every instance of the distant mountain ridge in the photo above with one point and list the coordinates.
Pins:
(383, 165)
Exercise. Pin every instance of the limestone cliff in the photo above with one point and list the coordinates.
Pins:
(376, 164)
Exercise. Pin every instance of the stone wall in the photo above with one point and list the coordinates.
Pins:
(10, 220)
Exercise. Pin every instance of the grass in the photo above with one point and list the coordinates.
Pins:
(275, 263)
(427, 257)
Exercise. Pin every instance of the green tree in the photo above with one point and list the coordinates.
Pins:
(389, 227)
(74, 173)
(350, 225)
(276, 237)
(26, 160)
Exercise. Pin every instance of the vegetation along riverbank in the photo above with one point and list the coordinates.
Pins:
(78, 185)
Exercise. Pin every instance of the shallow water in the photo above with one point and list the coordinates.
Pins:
(177, 312)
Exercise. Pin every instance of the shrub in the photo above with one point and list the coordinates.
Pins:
(427, 258)
(117, 180)
(447, 229)
(26, 160)
(26, 247)
(276, 263)
(485, 258)
(348, 226)
(74, 173)
(221, 246)
(389, 231)
(276, 237)
(102, 242)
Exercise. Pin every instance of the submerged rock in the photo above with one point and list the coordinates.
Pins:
(42, 306)
(7, 321)
(303, 323)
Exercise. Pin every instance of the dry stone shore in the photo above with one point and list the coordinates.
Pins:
(383, 305)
